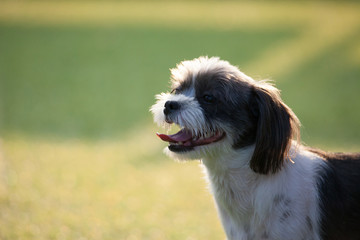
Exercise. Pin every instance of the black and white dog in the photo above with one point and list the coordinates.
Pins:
(265, 184)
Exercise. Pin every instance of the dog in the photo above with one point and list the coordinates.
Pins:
(266, 185)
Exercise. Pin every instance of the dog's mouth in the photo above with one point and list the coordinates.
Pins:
(185, 140)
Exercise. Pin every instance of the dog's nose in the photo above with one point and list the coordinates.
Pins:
(171, 106)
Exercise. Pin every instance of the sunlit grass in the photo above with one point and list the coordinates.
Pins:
(104, 190)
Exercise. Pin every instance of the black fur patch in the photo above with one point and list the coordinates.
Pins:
(231, 105)
(253, 111)
(339, 189)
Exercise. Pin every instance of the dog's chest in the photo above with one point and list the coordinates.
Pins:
(237, 211)
(261, 207)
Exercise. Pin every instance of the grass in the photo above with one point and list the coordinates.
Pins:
(79, 81)
(327, 108)
(75, 190)
(78, 156)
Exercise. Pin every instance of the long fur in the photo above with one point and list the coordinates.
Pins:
(265, 184)
(277, 125)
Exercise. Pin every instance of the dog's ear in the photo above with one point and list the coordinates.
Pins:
(276, 126)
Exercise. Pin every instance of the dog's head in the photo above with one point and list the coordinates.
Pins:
(219, 109)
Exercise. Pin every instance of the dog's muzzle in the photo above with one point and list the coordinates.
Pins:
(170, 107)
(185, 139)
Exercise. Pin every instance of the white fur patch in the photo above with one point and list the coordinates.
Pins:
(278, 206)
(202, 65)
(189, 116)
(158, 108)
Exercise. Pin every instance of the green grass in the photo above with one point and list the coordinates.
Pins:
(324, 94)
(95, 82)
(94, 191)
(78, 154)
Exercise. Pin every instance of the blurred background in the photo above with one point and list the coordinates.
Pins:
(79, 158)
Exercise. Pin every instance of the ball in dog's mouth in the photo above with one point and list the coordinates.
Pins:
(184, 140)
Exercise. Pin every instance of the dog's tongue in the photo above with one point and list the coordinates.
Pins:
(181, 136)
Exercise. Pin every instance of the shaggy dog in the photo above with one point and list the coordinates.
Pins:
(265, 184)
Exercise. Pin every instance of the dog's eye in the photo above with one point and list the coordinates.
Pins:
(209, 98)
(175, 90)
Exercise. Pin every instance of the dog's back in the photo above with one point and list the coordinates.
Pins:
(339, 191)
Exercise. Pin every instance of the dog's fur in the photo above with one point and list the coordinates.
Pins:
(265, 184)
